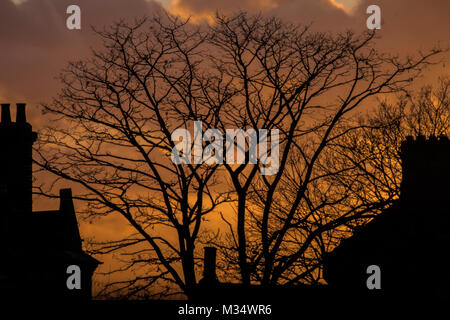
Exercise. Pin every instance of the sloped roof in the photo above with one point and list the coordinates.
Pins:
(57, 236)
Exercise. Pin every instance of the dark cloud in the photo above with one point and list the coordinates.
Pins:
(408, 26)
(413, 23)
(35, 43)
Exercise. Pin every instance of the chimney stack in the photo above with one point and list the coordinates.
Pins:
(16, 140)
(6, 114)
(66, 201)
(209, 267)
(72, 239)
(425, 172)
(21, 116)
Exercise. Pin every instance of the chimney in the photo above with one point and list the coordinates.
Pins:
(72, 239)
(209, 267)
(21, 116)
(16, 140)
(65, 194)
(65, 201)
(6, 114)
(425, 172)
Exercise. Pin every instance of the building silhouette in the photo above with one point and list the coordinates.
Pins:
(409, 241)
(36, 247)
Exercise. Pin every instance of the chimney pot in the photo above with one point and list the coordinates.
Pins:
(6, 114)
(65, 194)
(209, 268)
(21, 116)
(421, 138)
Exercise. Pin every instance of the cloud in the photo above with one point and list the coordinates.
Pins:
(412, 23)
(36, 44)
(200, 10)
(348, 6)
(307, 10)
(407, 24)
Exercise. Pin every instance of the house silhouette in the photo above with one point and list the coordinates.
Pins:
(409, 241)
(37, 248)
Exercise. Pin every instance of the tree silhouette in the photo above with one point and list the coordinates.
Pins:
(112, 136)
(309, 86)
(118, 110)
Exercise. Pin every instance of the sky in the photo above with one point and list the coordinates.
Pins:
(35, 43)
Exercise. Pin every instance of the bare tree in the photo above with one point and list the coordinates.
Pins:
(308, 86)
(116, 114)
(113, 137)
